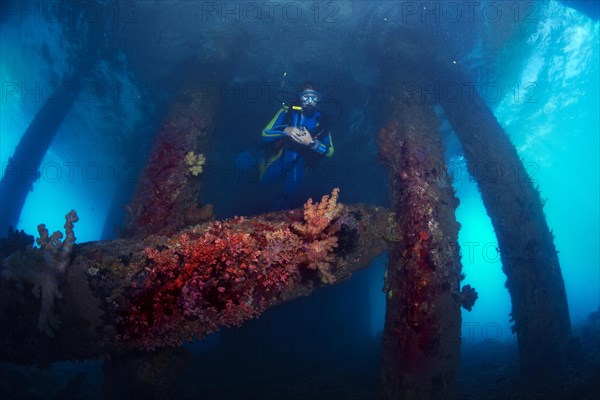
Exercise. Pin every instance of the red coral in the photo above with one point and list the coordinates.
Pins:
(163, 178)
(220, 278)
(227, 273)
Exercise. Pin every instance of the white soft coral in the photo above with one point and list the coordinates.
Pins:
(44, 268)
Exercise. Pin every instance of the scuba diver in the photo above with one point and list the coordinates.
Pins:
(297, 135)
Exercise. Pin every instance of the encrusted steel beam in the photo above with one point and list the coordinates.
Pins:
(160, 291)
(166, 196)
(529, 258)
(421, 339)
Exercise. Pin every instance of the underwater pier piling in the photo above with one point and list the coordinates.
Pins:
(58, 98)
(421, 339)
(23, 167)
(529, 257)
(167, 192)
(142, 294)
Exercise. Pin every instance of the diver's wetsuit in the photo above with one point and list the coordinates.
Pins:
(289, 157)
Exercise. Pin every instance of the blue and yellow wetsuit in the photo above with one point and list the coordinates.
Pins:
(287, 158)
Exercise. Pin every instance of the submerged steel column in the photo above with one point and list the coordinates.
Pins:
(529, 258)
(167, 192)
(421, 340)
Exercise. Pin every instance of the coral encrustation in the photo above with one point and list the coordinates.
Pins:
(223, 273)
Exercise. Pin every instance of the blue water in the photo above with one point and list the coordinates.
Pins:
(542, 85)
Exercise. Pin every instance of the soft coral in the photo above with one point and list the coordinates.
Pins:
(225, 273)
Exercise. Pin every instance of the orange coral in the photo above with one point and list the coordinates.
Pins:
(320, 257)
(318, 231)
(319, 216)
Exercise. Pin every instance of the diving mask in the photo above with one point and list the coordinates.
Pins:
(310, 96)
